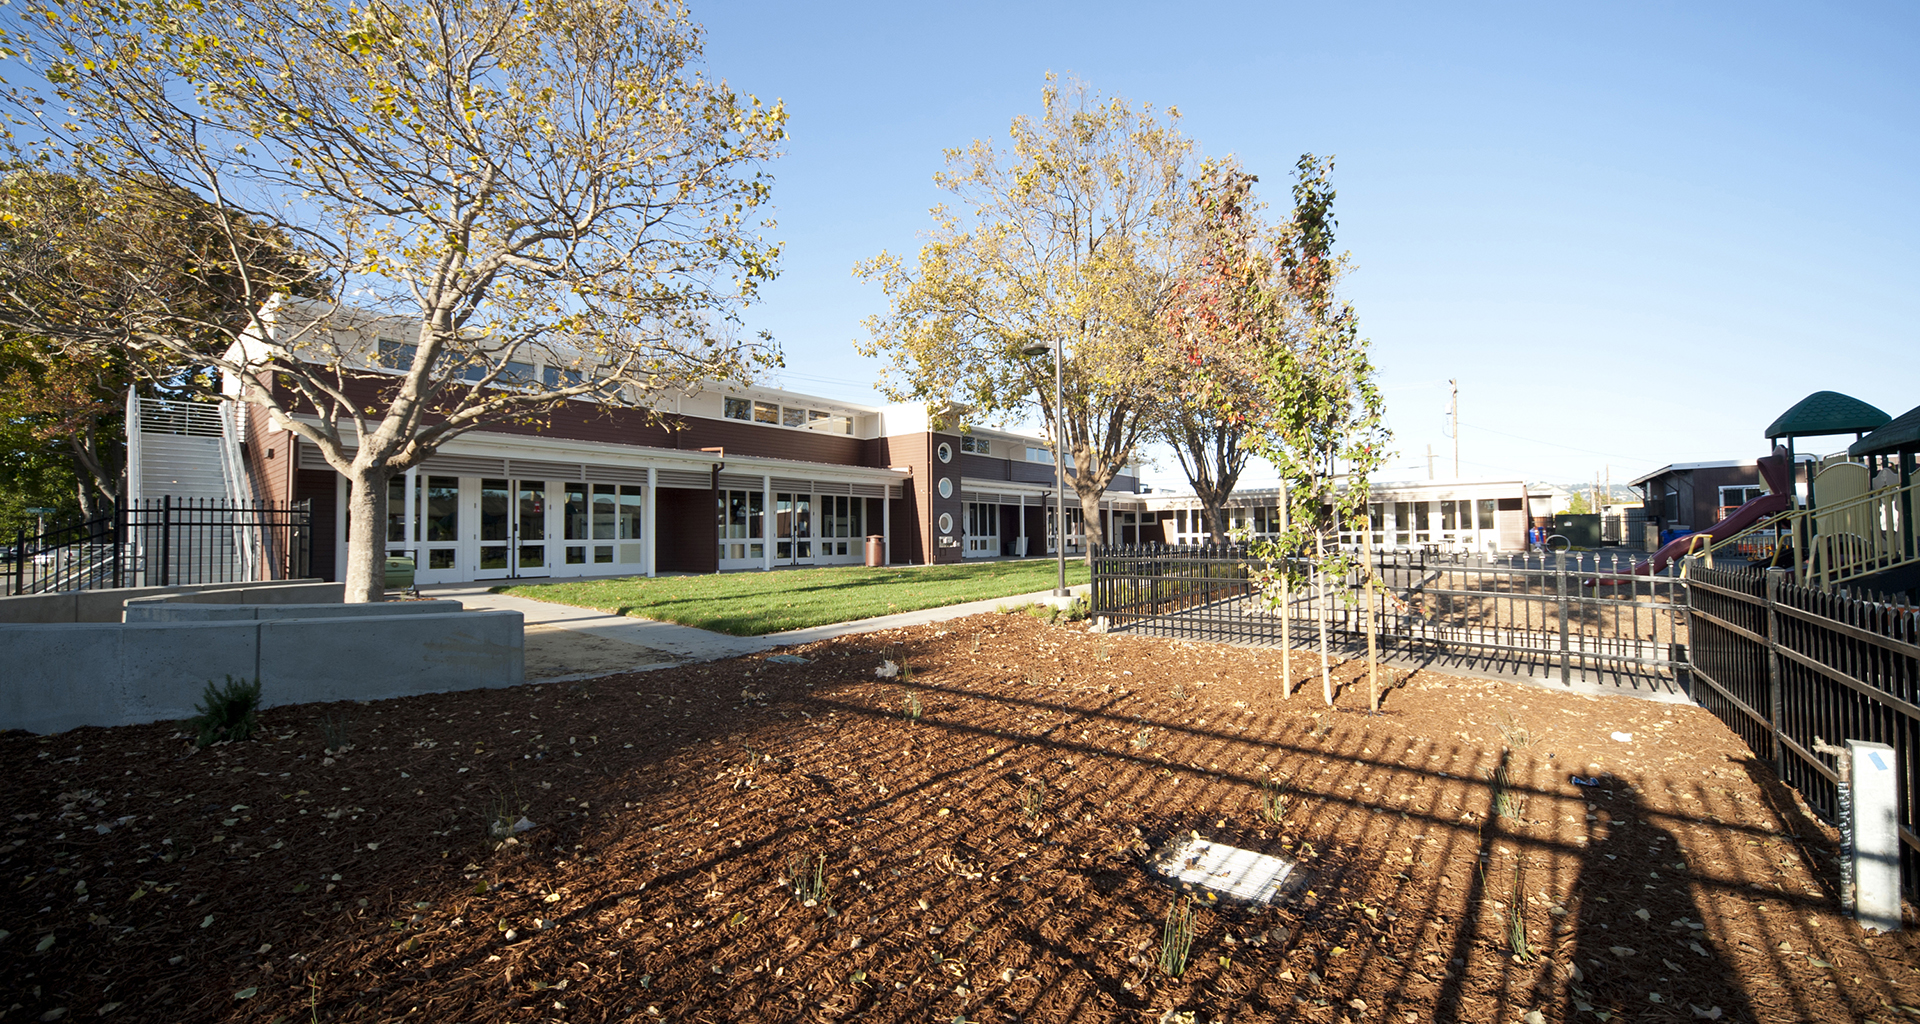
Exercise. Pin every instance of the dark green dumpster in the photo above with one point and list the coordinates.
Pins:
(1581, 531)
(399, 574)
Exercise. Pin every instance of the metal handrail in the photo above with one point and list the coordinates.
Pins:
(1886, 541)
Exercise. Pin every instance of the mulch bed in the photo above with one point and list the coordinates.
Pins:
(980, 863)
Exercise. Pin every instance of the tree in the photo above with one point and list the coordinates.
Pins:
(1067, 239)
(1578, 504)
(531, 182)
(89, 260)
(34, 473)
(1224, 310)
(1268, 304)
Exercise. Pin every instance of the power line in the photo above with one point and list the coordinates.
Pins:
(1568, 447)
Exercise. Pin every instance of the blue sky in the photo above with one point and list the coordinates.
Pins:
(1634, 233)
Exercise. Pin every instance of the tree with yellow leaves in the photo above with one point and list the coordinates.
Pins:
(1066, 238)
(550, 181)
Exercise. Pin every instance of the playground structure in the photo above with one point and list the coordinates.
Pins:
(1852, 522)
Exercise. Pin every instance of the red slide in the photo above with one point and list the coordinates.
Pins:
(1775, 470)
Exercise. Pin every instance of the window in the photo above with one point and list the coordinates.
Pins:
(791, 417)
(396, 355)
(555, 377)
(1733, 497)
(766, 412)
(517, 373)
(742, 517)
(1448, 520)
(1486, 513)
(443, 510)
(828, 423)
(397, 510)
(739, 409)
(605, 501)
(1039, 454)
(632, 512)
(977, 445)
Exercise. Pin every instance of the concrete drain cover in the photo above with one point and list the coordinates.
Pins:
(1226, 871)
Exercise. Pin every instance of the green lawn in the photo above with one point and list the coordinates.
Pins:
(753, 603)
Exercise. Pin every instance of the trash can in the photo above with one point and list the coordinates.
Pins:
(876, 549)
(399, 574)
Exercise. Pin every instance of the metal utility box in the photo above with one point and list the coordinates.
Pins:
(1582, 531)
(399, 574)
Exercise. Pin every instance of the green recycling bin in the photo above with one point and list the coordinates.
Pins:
(399, 574)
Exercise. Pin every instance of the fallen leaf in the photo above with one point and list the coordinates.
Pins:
(1623, 951)
(247, 993)
(1713, 1014)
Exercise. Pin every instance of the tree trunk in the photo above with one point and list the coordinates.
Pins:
(1320, 574)
(1091, 526)
(366, 533)
(1286, 632)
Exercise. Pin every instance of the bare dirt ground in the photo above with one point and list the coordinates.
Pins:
(761, 841)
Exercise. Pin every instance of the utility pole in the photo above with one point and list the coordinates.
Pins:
(1453, 411)
(1429, 461)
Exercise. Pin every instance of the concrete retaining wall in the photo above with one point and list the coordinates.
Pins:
(65, 675)
(106, 605)
(168, 610)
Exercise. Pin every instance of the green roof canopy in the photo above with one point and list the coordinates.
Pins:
(1902, 432)
(1827, 412)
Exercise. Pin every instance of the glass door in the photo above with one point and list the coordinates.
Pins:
(983, 530)
(530, 529)
(512, 529)
(793, 529)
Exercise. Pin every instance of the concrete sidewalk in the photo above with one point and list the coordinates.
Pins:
(564, 642)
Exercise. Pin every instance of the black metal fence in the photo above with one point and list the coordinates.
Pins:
(1582, 611)
(163, 542)
(1786, 666)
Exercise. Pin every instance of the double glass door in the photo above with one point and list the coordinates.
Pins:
(513, 529)
(792, 529)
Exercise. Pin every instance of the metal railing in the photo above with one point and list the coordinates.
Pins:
(1858, 537)
(1582, 611)
(164, 542)
(1787, 667)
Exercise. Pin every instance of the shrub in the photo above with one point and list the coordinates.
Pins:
(228, 712)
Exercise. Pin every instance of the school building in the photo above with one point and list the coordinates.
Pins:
(713, 478)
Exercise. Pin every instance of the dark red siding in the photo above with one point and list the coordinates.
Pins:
(688, 537)
(317, 485)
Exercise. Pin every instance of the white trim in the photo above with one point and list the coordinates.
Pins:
(766, 521)
(653, 523)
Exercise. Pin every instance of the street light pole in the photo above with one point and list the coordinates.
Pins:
(1059, 467)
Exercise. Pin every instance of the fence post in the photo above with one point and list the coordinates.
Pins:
(1774, 701)
(166, 539)
(1560, 581)
(119, 541)
(19, 560)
